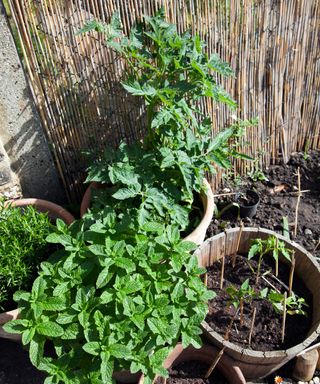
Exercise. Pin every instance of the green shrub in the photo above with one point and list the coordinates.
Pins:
(23, 246)
(109, 304)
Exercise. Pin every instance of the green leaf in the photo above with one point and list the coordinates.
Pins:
(21, 295)
(103, 278)
(137, 90)
(92, 347)
(61, 225)
(65, 318)
(255, 248)
(53, 304)
(16, 326)
(245, 285)
(106, 367)
(153, 226)
(28, 335)
(220, 139)
(127, 193)
(92, 25)
(72, 332)
(50, 329)
(38, 287)
(120, 351)
(56, 238)
(36, 351)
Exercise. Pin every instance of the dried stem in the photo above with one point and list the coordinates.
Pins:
(277, 259)
(258, 269)
(241, 312)
(206, 279)
(226, 335)
(284, 317)
(317, 245)
(238, 244)
(298, 203)
(225, 194)
(293, 264)
(215, 362)
(252, 324)
(271, 285)
(222, 272)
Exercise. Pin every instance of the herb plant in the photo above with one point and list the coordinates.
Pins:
(22, 248)
(272, 245)
(171, 73)
(109, 304)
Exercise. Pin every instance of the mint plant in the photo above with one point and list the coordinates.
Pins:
(23, 246)
(170, 73)
(112, 301)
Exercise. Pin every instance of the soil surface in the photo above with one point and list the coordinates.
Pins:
(278, 198)
(15, 366)
(193, 372)
(266, 335)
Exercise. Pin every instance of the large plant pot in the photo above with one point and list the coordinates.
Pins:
(257, 364)
(197, 235)
(54, 212)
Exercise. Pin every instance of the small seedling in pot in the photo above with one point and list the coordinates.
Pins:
(240, 296)
(263, 247)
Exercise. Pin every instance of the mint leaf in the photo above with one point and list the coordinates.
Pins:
(92, 347)
(49, 329)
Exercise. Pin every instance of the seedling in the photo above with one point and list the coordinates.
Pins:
(256, 174)
(263, 247)
(294, 303)
(240, 296)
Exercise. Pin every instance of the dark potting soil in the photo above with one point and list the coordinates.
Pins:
(267, 330)
(193, 372)
(275, 204)
(15, 366)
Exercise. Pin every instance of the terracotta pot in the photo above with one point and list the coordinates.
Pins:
(54, 212)
(197, 235)
(257, 364)
(206, 353)
(4, 318)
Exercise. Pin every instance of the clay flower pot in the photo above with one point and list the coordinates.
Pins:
(54, 212)
(257, 364)
(206, 354)
(197, 235)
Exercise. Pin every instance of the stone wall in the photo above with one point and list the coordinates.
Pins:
(25, 159)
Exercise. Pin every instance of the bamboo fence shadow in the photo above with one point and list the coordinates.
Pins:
(273, 46)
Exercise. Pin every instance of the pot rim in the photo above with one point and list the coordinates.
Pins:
(197, 235)
(43, 206)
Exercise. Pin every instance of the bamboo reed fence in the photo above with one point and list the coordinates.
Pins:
(273, 45)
